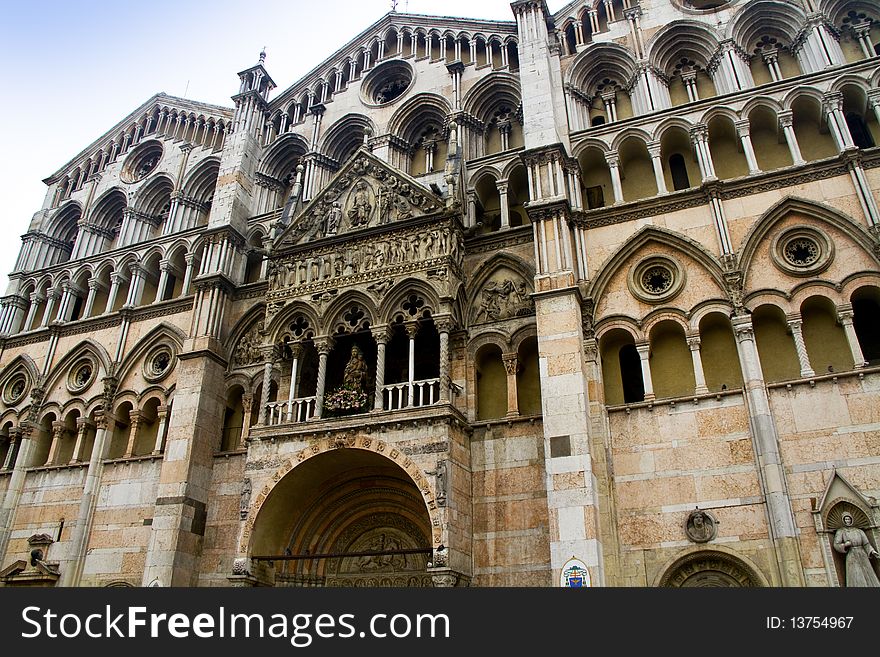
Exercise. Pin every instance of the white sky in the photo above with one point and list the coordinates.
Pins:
(74, 69)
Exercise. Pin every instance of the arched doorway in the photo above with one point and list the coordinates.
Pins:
(710, 569)
(344, 518)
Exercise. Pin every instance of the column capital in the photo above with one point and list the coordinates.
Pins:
(874, 97)
(845, 313)
(654, 149)
(699, 132)
(58, 429)
(381, 334)
(612, 158)
(693, 341)
(324, 344)
(444, 323)
(135, 416)
(644, 348)
(412, 329)
(742, 127)
(832, 101)
(84, 423)
(743, 329)
(786, 118)
(511, 363)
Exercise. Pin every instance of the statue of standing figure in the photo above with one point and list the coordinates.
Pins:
(355, 375)
(361, 208)
(854, 543)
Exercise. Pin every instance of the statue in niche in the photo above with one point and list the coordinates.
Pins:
(245, 500)
(361, 207)
(853, 542)
(355, 375)
(334, 218)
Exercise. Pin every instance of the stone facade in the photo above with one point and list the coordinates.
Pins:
(471, 299)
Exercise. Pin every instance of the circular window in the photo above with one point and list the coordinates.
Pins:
(159, 364)
(81, 375)
(142, 162)
(656, 279)
(802, 251)
(386, 83)
(14, 390)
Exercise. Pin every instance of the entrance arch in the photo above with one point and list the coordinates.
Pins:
(346, 517)
(710, 569)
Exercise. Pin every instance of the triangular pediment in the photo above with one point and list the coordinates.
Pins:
(366, 192)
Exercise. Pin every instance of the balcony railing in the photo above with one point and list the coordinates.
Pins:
(395, 397)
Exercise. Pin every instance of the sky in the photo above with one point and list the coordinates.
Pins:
(74, 69)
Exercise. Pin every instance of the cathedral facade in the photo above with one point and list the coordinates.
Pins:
(586, 297)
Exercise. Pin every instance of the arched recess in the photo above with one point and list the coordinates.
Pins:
(107, 215)
(767, 22)
(776, 347)
(768, 142)
(64, 228)
(866, 319)
(824, 337)
(154, 200)
(793, 204)
(496, 101)
(346, 136)
(605, 68)
(348, 501)
(491, 381)
(672, 370)
(682, 49)
(421, 123)
(528, 377)
(665, 237)
(719, 354)
(278, 165)
(499, 269)
(198, 192)
(621, 368)
(718, 567)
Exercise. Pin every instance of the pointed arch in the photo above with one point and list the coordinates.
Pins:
(396, 296)
(280, 158)
(819, 211)
(87, 347)
(780, 20)
(486, 269)
(202, 180)
(332, 315)
(415, 112)
(256, 315)
(163, 333)
(664, 236)
(278, 325)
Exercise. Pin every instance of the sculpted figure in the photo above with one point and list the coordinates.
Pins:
(334, 218)
(854, 543)
(361, 208)
(355, 375)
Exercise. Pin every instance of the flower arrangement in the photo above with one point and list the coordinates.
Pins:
(345, 399)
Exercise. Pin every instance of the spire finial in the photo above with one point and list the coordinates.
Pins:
(263, 55)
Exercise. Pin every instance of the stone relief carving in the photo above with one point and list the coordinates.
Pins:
(247, 351)
(373, 195)
(441, 478)
(319, 267)
(700, 527)
(503, 299)
(245, 501)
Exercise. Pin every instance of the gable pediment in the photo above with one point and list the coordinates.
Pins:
(365, 193)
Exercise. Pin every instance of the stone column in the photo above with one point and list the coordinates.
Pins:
(58, 430)
(165, 268)
(795, 324)
(689, 78)
(845, 316)
(190, 259)
(742, 129)
(862, 33)
(511, 366)
(36, 300)
(613, 161)
(502, 187)
(51, 299)
(771, 59)
(116, 280)
(786, 122)
(700, 140)
(644, 350)
(135, 418)
(783, 529)
(324, 346)
(874, 102)
(609, 101)
(162, 419)
(94, 286)
(832, 104)
(654, 150)
(699, 376)
(296, 352)
(444, 327)
(247, 405)
(268, 364)
(412, 328)
(13, 445)
(83, 426)
(380, 334)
